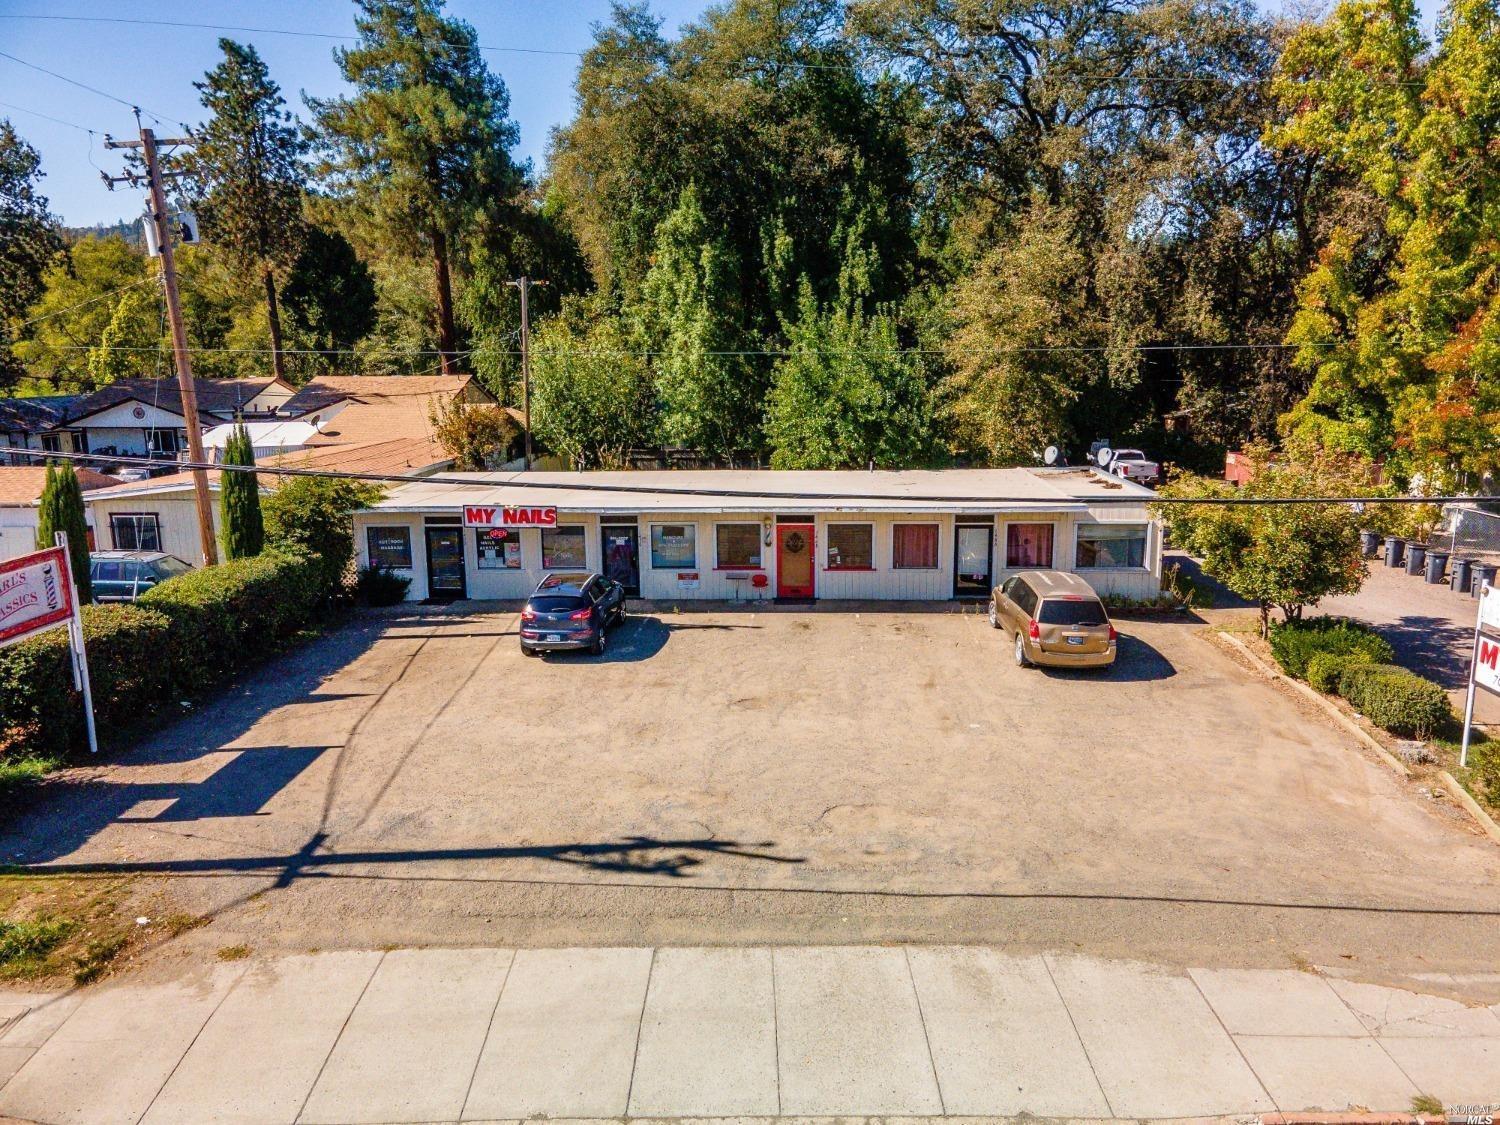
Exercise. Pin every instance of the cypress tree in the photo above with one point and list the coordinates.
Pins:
(62, 510)
(243, 530)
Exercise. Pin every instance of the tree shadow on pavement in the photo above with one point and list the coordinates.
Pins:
(1434, 647)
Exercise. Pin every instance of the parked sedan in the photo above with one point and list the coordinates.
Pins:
(1057, 619)
(571, 611)
(123, 576)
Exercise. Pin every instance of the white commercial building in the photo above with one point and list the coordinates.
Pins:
(749, 535)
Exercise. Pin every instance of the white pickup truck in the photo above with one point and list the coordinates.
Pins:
(1132, 465)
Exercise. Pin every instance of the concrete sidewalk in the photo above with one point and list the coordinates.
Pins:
(484, 1034)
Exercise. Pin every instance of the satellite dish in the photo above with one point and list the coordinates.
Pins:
(1104, 456)
(1052, 455)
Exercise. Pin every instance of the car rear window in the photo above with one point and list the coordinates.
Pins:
(557, 604)
(1070, 611)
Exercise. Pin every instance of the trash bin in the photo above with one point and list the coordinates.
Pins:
(1483, 572)
(1395, 550)
(1437, 565)
(1369, 543)
(1416, 557)
(1459, 574)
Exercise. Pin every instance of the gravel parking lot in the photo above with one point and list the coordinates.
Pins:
(732, 775)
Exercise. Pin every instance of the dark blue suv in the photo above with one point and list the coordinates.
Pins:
(571, 611)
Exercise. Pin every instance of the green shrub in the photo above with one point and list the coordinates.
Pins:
(379, 586)
(315, 515)
(238, 612)
(1294, 643)
(1325, 668)
(1396, 700)
(131, 670)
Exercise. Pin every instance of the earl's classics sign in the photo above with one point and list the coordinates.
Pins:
(478, 516)
(36, 593)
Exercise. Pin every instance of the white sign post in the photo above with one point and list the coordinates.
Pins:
(1484, 669)
(36, 594)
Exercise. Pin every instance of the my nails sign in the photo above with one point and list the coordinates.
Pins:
(477, 516)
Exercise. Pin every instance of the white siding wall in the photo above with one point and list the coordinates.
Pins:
(883, 583)
(177, 517)
(713, 583)
(17, 531)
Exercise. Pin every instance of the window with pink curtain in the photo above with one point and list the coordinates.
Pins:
(915, 546)
(1028, 545)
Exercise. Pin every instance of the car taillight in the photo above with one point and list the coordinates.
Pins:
(580, 615)
(1033, 630)
(528, 614)
(1113, 636)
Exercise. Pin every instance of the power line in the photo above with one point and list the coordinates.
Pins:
(82, 304)
(578, 54)
(518, 480)
(47, 117)
(132, 106)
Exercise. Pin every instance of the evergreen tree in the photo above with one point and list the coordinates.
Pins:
(689, 312)
(62, 510)
(28, 234)
(423, 144)
(247, 164)
(848, 393)
(243, 530)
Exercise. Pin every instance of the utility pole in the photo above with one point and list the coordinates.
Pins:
(524, 284)
(158, 207)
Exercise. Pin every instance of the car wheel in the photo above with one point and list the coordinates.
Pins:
(598, 646)
(994, 617)
(528, 651)
(1021, 660)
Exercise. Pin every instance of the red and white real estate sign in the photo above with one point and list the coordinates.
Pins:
(36, 593)
(1487, 664)
(479, 516)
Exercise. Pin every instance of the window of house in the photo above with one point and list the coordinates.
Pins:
(674, 545)
(851, 546)
(1028, 545)
(563, 548)
(914, 546)
(738, 545)
(1111, 545)
(133, 532)
(164, 442)
(498, 548)
(52, 443)
(389, 548)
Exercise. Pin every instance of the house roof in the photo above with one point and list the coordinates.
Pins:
(21, 485)
(154, 486)
(35, 414)
(215, 396)
(292, 432)
(757, 491)
(328, 389)
(396, 455)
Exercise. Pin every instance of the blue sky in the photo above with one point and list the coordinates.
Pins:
(154, 67)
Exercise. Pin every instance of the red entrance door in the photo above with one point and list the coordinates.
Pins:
(794, 560)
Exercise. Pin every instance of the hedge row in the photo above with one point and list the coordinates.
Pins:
(1295, 643)
(180, 639)
(1342, 657)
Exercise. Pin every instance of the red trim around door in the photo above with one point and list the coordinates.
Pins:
(784, 532)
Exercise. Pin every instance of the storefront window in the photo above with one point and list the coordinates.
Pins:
(738, 545)
(914, 546)
(563, 548)
(136, 532)
(674, 545)
(851, 546)
(1028, 545)
(499, 548)
(1112, 545)
(389, 548)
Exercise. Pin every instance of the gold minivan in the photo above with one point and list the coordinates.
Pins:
(1057, 619)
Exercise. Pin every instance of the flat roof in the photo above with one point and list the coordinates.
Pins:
(756, 490)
